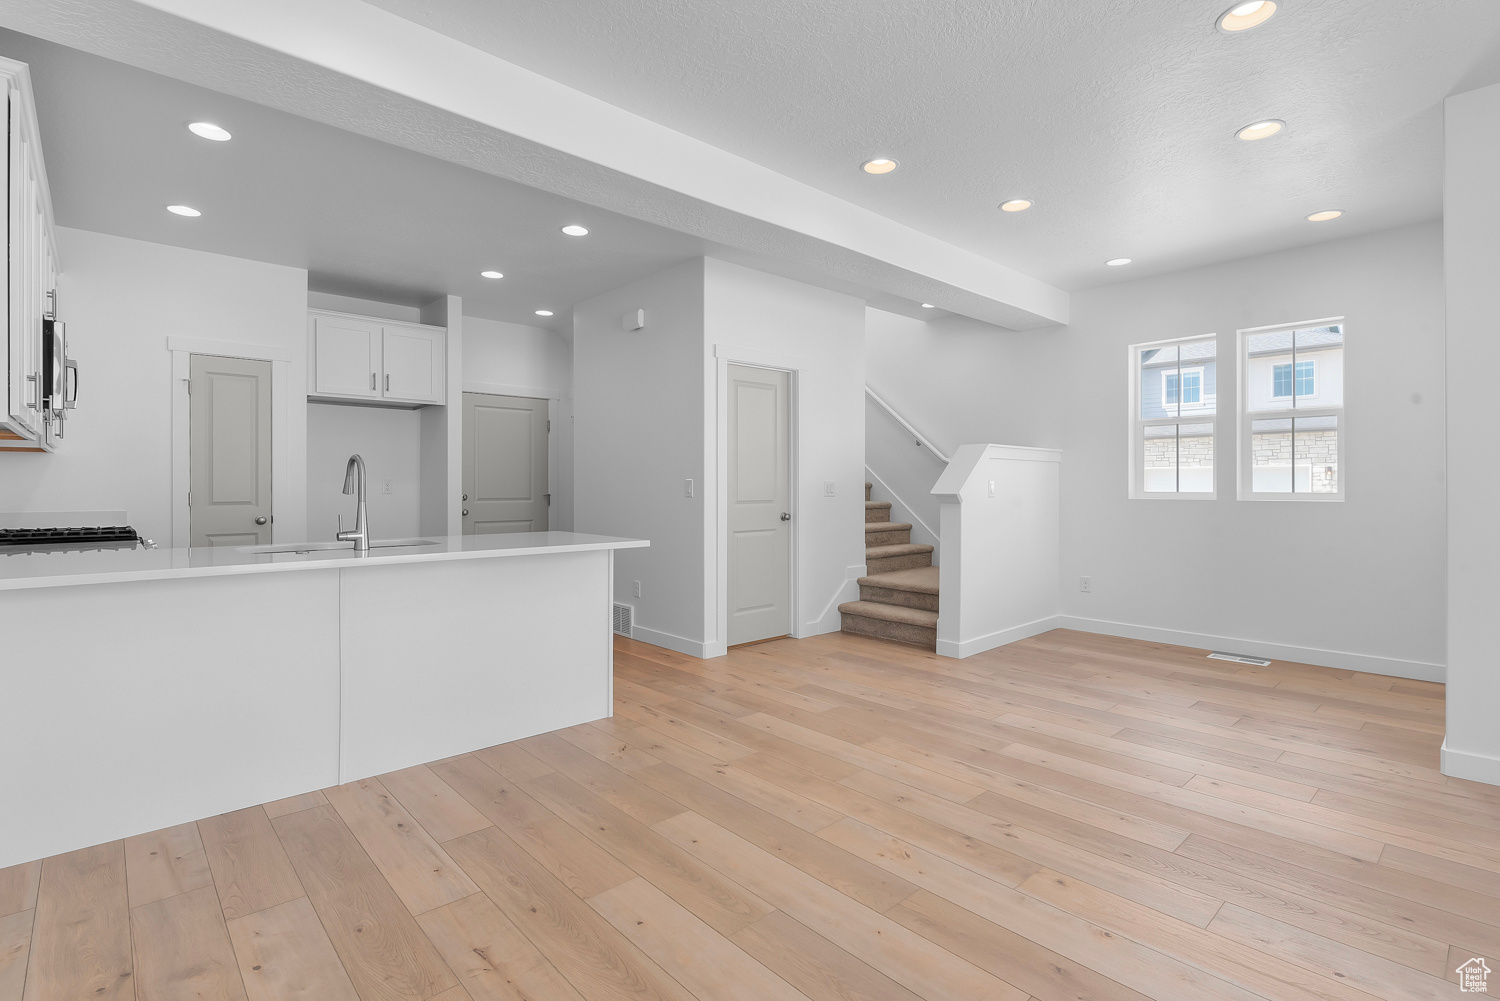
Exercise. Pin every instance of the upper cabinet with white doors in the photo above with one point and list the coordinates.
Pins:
(361, 359)
(38, 384)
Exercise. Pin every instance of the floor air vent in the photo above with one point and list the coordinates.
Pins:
(1216, 655)
(624, 619)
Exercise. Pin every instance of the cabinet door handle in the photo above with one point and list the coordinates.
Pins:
(388, 382)
(372, 382)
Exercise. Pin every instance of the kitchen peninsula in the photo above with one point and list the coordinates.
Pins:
(151, 687)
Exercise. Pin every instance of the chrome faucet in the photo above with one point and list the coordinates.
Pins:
(354, 483)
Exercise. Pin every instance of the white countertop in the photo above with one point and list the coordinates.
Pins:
(33, 570)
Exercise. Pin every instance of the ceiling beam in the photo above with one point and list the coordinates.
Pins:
(363, 69)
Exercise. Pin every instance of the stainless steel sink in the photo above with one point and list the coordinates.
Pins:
(320, 547)
(300, 547)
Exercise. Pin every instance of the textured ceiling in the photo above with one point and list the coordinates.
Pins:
(1115, 117)
(366, 218)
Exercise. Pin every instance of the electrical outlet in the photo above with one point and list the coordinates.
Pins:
(635, 588)
(1086, 585)
(828, 489)
(386, 488)
(687, 488)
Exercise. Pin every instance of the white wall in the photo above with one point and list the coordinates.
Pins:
(516, 360)
(639, 432)
(389, 441)
(122, 299)
(1366, 590)
(1471, 213)
(756, 318)
(1357, 584)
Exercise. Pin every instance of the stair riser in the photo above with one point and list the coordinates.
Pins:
(901, 632)
(879, 513)
(890, 564)
(906, 599)
(900, 538)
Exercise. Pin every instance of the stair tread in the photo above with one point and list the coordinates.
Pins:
(891, 613)
(871, 505)
(920, 579)
(887, 526)
(901, 549)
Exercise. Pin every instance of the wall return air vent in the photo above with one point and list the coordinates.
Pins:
(624, 619)
(1238, 658)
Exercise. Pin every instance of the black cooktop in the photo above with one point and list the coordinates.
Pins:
(110, 536)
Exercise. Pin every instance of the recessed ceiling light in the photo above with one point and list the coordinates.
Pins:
(575, 230)
(490, 274)
(544, 312)
(185, 210)
(1118, 261)
(1016, 205)
(208, 130)
(1260, 130)
(1246, 15)
(1325, 215)
(880, 165)
(928, 305)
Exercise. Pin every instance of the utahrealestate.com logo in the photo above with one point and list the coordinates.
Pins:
(1474, 976)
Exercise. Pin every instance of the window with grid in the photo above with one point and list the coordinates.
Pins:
(1173, 397)
(1291, 422)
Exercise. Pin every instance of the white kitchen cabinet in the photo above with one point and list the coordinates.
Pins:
(361, 359)
(345, 357)
(413, 358)
(29, 295)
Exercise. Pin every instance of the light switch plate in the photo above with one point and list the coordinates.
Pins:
(687, 488)
(828, 489)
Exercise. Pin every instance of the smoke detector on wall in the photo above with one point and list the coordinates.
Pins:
(634, 319)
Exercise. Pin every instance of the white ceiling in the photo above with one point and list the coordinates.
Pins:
(365, 218)
(1115, 117)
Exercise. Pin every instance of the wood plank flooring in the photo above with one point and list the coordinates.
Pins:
(835, 819)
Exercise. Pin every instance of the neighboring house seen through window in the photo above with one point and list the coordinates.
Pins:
(1172, 418)
(1281, 379)
(1291, 443)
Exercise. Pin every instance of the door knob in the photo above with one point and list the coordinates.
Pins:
(261, 520)
(466, 512)
(785, 516)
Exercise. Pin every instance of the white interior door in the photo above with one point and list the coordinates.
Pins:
(759, 492)
(505, 465)
(229, 448)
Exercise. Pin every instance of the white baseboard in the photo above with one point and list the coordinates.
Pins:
(829, 620)
(1468, 765)
(968, 648)
(693, 648)
(1415, 670)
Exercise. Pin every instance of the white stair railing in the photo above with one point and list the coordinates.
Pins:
(916, 435)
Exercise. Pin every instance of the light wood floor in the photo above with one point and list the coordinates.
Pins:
(1072, 817)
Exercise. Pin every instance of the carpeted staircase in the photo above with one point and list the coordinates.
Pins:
(899, 599)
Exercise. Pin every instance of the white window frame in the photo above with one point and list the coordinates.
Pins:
(1136, 446)
(1244, 459)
